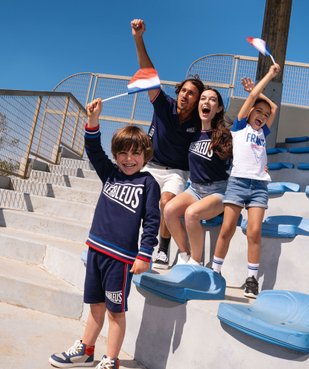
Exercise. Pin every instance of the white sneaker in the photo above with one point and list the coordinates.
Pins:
(193, 262)
(182, 258)
(161, 261)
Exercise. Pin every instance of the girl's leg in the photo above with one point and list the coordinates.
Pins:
(173, 212)
(206, 208)
(116, 332)
(230, 219)
(94, 323)
(254, 230)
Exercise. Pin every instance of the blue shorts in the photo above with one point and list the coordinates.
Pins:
(199, 190)
(245, 192)
(107, 280)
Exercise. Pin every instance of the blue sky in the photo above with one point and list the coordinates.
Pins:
(45, 41)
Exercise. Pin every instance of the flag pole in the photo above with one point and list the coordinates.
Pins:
(272, 58)
(114, 97)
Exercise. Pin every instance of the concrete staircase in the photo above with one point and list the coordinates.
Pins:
(44, 222)
(43, 229)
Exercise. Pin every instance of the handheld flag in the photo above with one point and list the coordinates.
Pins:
(260, 45)
(143, 80)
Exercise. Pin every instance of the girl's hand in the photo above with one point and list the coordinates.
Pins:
(247, 83)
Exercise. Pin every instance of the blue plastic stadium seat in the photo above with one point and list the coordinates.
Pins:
(282, 226)
(184, 282)
(275, 150)
(214, 222)
(278, 317)
(279, 165)
(297, 139)
(303, 166)
(299, 150)
(282, 187)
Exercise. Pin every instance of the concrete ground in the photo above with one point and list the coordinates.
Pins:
(29, 337)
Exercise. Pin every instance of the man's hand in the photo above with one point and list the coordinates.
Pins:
(138, 27)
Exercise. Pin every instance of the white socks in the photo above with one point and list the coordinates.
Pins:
(217, 264)
(193, 262)
(182, 258)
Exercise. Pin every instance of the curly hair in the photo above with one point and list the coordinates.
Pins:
(221, 140)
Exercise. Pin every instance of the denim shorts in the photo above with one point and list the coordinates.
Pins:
(246, 192)
(199, 190)
(107, 280)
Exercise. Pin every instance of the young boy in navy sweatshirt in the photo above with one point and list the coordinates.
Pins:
(128, 199)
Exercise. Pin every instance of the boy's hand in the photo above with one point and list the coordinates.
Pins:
(138, 27)
(247, 83)
(94, 109)
(139, 266)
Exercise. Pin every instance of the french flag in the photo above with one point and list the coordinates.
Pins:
(260, 45)
(143, 80)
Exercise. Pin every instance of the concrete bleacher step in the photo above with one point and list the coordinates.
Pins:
(58, 256)
(38, 223)
(66, 180)
(47, 205)
(76, 163)
(77, 172)
(55, 191)
(290, 175)
(289, 203)
(33, 287)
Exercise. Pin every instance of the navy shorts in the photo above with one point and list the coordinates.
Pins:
(107, 280)
(246, 192)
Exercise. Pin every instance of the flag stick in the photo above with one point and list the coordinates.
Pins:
(272, 58)
(115, 97)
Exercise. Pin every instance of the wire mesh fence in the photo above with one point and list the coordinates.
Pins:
(222, 71)
(36, 125)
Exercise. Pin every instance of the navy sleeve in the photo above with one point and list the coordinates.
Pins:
(239, 124)
(151, 221)
(266, 130)
(100, 161)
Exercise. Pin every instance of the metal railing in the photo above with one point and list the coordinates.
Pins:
(37, 124)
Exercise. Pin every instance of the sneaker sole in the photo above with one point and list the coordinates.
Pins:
(68, 365)
(160, 266)
(250, 295)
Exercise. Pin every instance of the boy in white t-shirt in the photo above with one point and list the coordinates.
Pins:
(247, 184)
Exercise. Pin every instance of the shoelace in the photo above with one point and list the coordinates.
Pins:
(105, 364)
(161, 256)
(75, 349)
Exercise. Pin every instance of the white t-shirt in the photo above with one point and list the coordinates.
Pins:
(249, 151)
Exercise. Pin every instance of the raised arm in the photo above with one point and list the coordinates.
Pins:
(248, 85)
(94, 109)
(256, 93)
(138, 28)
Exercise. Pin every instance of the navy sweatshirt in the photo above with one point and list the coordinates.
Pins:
(170, 138)
(125, 203)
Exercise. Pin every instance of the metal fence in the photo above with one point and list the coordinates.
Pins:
(36, 125)
(222, 71)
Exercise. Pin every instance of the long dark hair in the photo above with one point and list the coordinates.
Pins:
(221, 139)
(198, 83)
